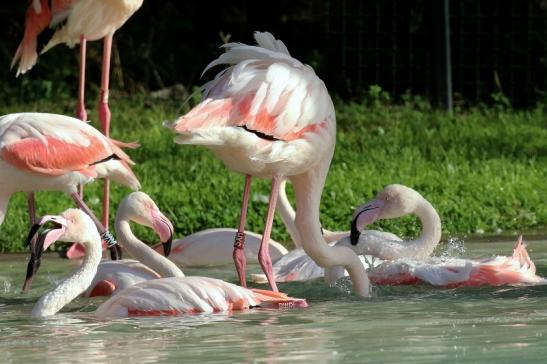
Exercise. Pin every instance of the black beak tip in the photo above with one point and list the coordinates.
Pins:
(354, 233)
(167, 247)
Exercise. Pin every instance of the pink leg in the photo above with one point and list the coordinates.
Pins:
(105, 116)
(105, 234)
(81, 112)
(264, 252)
(239, 244)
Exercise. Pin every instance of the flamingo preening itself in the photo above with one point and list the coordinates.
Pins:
(398, 261)
(165, 296)
(268, 115)
(77, 21)
(41, 151)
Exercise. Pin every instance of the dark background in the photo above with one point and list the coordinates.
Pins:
(497, 46)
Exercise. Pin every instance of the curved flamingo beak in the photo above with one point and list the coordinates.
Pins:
(38, 244)
(363, 216)
(164, 228)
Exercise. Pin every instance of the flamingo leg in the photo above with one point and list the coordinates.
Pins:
(31, 208)
(239, 243)
(104, 117)
(106, 236)
(264, 252)
(81, 112)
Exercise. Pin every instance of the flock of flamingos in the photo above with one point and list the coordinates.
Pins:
(265, 115)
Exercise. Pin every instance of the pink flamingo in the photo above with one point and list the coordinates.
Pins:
(268, 115)
(165, 296)
(396, 261)
(114, 276)
(41, 151)
(82, 20)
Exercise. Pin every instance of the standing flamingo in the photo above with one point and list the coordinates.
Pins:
(165, 296)
(268, 115)
(41, 151)
(81, 20)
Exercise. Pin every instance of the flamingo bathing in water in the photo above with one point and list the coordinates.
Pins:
(408, 262)
(77, 21)
(165, 296)
(268, 115)
(53, 152)
(114, 276)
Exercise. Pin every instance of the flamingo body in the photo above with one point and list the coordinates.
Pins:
(188, 295)
(93, 19)
(441, 272)
(214, 247)
(115, 275)
(54, 152)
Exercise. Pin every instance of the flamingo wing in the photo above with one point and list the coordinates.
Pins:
(55, 144)
(265, 91)
(115, 275)
(60, 11)
(176, 296)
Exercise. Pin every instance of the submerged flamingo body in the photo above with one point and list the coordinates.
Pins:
(441, 272)
(174, 295)
(190, 295)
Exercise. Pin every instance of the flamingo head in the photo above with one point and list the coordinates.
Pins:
(392, 202)
(71, 225)
(139, 207)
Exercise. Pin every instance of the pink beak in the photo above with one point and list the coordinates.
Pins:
(363, 216)
(164, 228)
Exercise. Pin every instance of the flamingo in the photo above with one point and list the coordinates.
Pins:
(114, 276)
(268, 115)
(40, 151)
(436, 271)
(165, 296)
(77, 21)
(407, 262)
(392, 202)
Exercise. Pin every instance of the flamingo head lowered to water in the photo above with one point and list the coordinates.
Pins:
(139, 207)
(392, 202)
(67, 227)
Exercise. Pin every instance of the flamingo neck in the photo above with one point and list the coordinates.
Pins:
(77, 283)
(4, 200)
(287, 214)
(423, 245)
(143, 253)
(308, 188)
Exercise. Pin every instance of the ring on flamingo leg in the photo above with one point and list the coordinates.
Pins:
(106, 236)
(239, 244)
(264, 252)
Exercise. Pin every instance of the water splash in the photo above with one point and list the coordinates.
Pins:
(453, 248)
(7, 287)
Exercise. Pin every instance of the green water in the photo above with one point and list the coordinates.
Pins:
(417, 324)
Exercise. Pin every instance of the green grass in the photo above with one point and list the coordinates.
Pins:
(483, 169)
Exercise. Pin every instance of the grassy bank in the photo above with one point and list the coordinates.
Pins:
(483, 169)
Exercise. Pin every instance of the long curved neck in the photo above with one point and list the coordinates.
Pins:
(4, 200)
(142, 252)
(424, 244)
(308, 188)
(287, 214)
(73, 286)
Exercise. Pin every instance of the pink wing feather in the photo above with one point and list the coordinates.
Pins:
(265, 90)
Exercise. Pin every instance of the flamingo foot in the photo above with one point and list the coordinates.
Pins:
(239, 258)
(266, 264)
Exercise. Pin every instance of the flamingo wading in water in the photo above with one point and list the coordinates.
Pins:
(165, 296)
(77, 21)
(41, 151)
(268, 115)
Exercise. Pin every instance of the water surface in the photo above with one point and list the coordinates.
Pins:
(412, 324)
